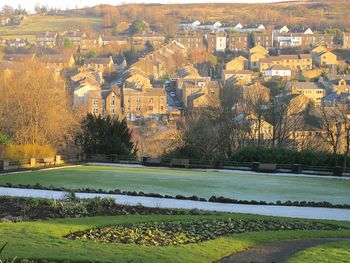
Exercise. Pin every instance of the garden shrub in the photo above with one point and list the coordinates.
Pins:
(287, 156)
(20, 152)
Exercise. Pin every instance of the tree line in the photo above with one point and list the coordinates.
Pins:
(36, 109)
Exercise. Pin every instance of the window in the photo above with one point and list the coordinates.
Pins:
(113, 111)
(112, 102)
(94, 102)
(95, 111)
(138, 99)
(151, 100)
(150, 108)
(138, 108)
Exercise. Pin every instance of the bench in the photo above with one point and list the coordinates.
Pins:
(180, 162)
(151, 161)
(49, 160)
(267, 167)
(264, 167)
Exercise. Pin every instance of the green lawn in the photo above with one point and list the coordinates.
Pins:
(188, 182)
(35, 23)
(44, 240)
(335, 252)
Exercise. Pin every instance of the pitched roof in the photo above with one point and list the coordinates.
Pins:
(305, 85)
(279, 67)
(56, 58)
(103, 61)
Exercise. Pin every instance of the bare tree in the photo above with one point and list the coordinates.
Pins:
(35, 108)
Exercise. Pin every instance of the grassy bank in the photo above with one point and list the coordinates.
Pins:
(44, 240)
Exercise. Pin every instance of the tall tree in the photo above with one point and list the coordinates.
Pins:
(34, 106)
(107, 135)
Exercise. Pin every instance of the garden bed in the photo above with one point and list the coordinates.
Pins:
(16, 209)
(195, 231)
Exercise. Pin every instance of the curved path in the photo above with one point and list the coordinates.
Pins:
(275, 252)
(284, 211)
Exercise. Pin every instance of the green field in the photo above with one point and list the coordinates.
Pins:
(35, 24)
(189, 182)
(44, 240)
(337, 252)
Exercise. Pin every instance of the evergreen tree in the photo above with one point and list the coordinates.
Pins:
(106, 135)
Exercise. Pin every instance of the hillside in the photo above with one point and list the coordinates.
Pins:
(317, 14)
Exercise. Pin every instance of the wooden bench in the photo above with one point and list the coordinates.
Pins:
(49, 160)
(180, 162)
(151, 161)
(267, 167)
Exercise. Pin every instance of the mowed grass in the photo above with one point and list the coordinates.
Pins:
(44, 240)
(334, 252)
(190, 182)
(35, 24)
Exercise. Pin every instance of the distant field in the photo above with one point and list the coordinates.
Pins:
(34, 24)
(188, 182)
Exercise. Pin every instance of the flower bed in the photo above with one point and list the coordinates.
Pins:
(177, 233)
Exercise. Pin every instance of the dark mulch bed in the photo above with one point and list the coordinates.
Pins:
(194, 231)
(16, 209)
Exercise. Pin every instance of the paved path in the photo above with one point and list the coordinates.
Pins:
(275, 252)
(284, 211)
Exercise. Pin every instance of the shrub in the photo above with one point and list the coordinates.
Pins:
(20, 152)
(287, 156)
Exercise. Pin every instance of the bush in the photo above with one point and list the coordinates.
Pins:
(287, 156)
(20, 152)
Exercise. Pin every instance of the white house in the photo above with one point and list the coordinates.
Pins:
(238, 26)
(81, 91)
(278, 31)
(278, 71)
(252, 28)
(281, 30)
(210, 26)
(189, 25)
(296, 40)
(283, 40)
(308, 32)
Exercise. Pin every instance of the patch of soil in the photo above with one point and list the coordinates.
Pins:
(276, 252)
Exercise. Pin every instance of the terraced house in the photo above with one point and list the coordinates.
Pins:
(346, 39)
(322, 57)
(105, 65)
(190, 41)
(140, 40)
(311, 90)
(255, 55)
(296, 63)
(47, 39)
(144, 103)
(216, 42)
(263, 38)
(197, 93)
(162, 61)
(238, 41)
